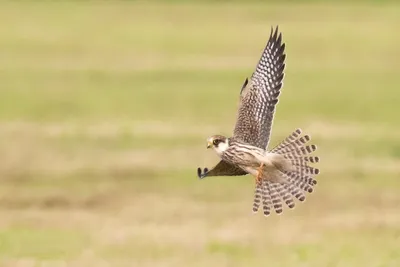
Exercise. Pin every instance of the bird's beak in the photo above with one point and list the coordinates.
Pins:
(209, 144)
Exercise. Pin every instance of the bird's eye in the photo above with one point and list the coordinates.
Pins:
(215, 142)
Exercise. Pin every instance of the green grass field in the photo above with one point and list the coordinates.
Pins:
(105, 110)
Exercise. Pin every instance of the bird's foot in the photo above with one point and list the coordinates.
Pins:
(259, 174)
(202, 173)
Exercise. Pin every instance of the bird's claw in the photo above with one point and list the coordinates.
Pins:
(202, 174)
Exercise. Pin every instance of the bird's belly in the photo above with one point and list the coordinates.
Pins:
(243, 159)
(253, 170)
(249, 159)
(244, 156)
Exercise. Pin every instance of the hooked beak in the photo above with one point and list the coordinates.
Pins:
(209, 144)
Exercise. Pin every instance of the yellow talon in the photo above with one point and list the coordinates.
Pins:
(259, 175)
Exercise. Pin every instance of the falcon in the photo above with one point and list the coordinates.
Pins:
(282, 173)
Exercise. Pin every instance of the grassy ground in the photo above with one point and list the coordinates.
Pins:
(104, 112)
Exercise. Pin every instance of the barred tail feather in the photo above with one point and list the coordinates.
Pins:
(295, 149)
(263, 192)
(292, 157)
(257, 197)
(267, 201)
(273, 196)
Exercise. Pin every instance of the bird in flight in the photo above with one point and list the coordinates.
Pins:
(281, 173)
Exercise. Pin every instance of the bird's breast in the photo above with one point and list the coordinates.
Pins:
(239, 155)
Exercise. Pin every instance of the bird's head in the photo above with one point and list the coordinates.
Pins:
(219, 143)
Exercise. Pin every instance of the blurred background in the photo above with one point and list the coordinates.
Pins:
(105, 108)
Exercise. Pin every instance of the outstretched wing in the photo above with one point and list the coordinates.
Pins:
(259, 95)
(223, 168)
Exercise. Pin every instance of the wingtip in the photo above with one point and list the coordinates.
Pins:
(276, 33)
(202, 173)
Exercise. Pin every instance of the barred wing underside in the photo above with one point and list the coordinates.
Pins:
(259, 95)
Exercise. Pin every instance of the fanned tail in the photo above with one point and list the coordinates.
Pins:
(299, 176)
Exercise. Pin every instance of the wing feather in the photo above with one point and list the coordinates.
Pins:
(259, 95)
(223, 168)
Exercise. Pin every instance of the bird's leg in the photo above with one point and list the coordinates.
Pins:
(259, 174)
